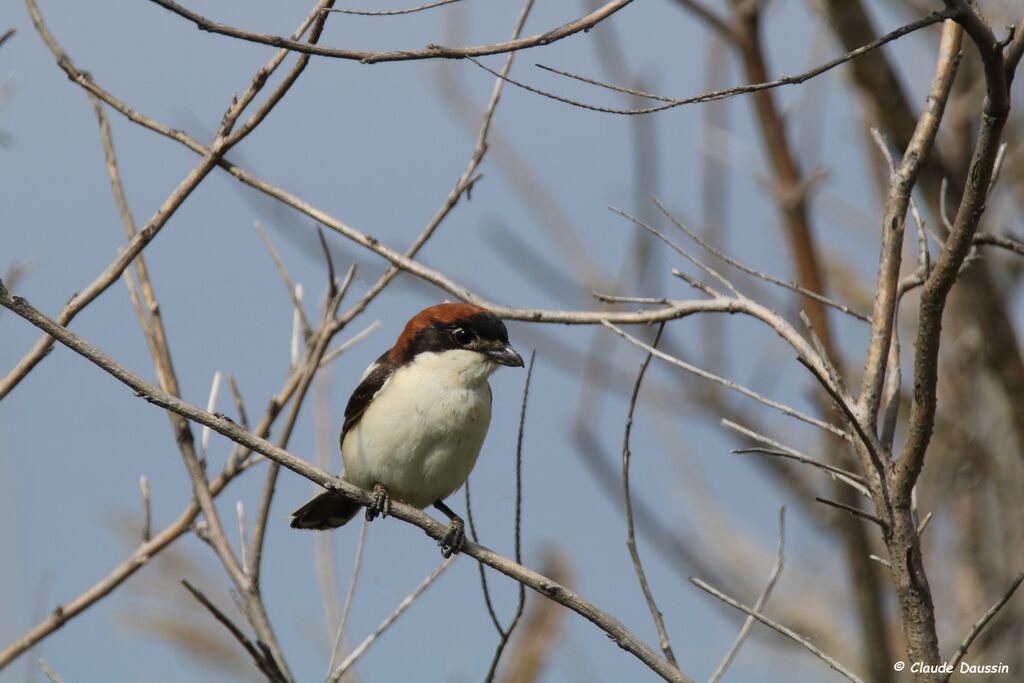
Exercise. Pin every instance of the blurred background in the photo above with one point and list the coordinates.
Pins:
(380, 147)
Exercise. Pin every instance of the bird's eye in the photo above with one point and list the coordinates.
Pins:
(463, 336)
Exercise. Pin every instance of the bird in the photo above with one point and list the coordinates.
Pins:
(415, 424)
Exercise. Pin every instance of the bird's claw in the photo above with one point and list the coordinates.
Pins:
(380, 503)
(453, 539)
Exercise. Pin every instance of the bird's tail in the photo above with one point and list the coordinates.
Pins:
(329, 510)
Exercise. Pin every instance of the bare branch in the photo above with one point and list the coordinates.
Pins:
(210, 158)
(47, 671)
(729, 384)
(854, 480)
(263, 662)
(856, 512)
(638, 568)
(584, 23)
(236, 464)
(883, 311)
(331, 355)
(242, 539)
(243, 419)
(1008, 243)
(307, 330)
(347, 663)
(759, 605)
(981, 623)
(606, 622)
(947, 267)
(679, 250)
(671, 102)
(789, 633)
(393, 12)
(484, 586)
(506, 633)
(211, 406)
(357, 565)
(147, 510)
(792, 286)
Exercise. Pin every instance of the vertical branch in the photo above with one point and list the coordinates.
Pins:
(659, 622)
(357, 566)
(896, 204)
(506, 633)
(791, 188)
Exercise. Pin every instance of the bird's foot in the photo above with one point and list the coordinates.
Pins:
(453, 539)
(380, 503)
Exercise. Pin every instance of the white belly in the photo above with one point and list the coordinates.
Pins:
(421, 434)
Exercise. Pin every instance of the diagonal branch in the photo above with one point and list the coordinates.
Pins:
(671, 102)
(759, 605)
(210, 157)
(739, 388)
(614, 628)
(981, 623)
(789, 633)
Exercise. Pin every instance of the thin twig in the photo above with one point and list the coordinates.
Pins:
(357, 566)
(759, 605)
(638, 568)
(349, 343)
(1008, 243)
(307, 330)
(729, 384)
(981, 623)
(298, 326)
(675, 247)
(924, 523)
(432, 51)
(845, 476)
(347, 663)
(242, 538)
(484, 586)
(614, 299)
(211, 406)
(243, 419)
(47, 671)
(147, 510)
(856, 512)
(263, 662)
(324, 444)
(393, 12)
(332, 282)
(506, 633)
(671, 102)
(792, 286)
(789, 633)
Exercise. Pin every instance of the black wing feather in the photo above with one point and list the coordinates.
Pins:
(383, 368)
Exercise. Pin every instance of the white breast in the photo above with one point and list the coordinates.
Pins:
(421, 434)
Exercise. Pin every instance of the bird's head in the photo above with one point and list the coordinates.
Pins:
(472, 334)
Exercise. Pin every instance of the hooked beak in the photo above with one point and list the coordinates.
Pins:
(506, 356)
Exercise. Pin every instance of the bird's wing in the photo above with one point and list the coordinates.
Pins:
(374, 379)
